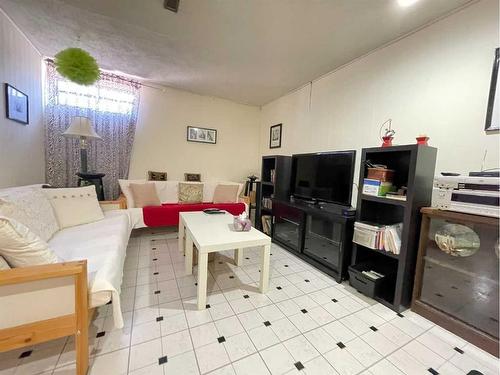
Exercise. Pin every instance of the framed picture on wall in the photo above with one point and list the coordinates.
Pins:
(275, 136)
(16, 105)
(493, 109)
(202, 135)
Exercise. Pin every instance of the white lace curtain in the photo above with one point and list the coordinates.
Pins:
(111, 104)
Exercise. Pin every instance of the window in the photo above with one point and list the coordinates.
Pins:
(96, 98)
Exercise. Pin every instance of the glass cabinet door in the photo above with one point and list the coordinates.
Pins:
(323, 240)
(460, 272)
(287, 226)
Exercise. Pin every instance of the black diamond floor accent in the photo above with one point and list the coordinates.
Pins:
(307, 281)
(401, 315)
(26, 354)
(220, 262)
(231, 277)
(162, 360)
(286, 265)
(155, 273)
(221, 339)
(458, 350)
(432, 371)
(159, 319)
(246, 296)
(374, 329)
(207, 306)
(304, 311)
(155, 259)
(278, 287)
(100, 334)
(341, 345)
(195, 284)
(109, 303)
(157, 292)
(334, 300)
(299, 366)
(154, 248)
(267, 323)
(247, 258)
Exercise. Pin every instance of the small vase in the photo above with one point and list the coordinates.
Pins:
(387, 141)
(422, 140)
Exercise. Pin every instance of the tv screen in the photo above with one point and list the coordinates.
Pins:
(324, 176)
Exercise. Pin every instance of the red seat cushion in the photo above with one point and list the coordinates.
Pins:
(167, 214)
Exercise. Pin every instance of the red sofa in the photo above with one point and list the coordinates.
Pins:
(167, 214)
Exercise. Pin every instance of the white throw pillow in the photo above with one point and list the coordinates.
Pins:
(3, 264)
(124, 187)
(75, 206)
(168, 191)
(31, 208)
(21, 247)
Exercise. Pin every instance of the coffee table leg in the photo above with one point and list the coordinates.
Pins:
(202, 279)
(181, 236)
(264, 269)
(188, 254)
(238, 257)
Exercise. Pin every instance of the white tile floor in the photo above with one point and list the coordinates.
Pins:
(306, 323)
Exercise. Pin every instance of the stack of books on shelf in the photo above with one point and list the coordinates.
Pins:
(273, 175)
(378, 237)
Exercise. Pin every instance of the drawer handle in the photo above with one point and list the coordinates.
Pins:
(360, 280)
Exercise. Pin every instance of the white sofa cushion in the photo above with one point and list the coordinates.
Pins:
(21, 247)
(30, 207)
(104, 245)
(168, 191)
(75, 206)
(3, 264)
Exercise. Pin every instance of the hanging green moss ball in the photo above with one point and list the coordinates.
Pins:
(77, 65)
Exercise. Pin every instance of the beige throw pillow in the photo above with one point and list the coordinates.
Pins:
(225, 193)
(3, 264)
(190, 193)
(75, 206)
(21, 247)
(144, 195)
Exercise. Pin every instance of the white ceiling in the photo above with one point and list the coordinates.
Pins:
(248, 51)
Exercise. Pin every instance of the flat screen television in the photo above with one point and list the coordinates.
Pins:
(325, 176)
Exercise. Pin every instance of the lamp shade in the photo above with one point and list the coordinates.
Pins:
(81, 127)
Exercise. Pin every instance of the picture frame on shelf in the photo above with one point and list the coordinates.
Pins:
(492, 123)
(275, 136)
(201, 135)
(192, 177)
(16, 105)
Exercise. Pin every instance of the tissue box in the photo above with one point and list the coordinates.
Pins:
(242, 225)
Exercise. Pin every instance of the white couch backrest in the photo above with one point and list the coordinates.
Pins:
(168, 191)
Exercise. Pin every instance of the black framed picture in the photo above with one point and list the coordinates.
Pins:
(202, 135)
(275, 136)
(493, 110)
(16, 105)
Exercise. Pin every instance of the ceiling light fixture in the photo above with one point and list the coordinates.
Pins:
(406, 3)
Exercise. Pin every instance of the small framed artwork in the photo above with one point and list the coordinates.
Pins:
(157, 176)
(16, 105)
(275, 136)
(203, 135)
(192, 177)
(493, 109)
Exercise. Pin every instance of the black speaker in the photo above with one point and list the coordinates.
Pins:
(172, 5)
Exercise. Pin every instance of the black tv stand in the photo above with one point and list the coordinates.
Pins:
(317, 233)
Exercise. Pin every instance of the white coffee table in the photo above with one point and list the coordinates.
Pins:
(210, 233)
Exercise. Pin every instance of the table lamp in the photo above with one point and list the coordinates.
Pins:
(81, 128)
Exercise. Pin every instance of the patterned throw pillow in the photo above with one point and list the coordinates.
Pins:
(190, 193)
(31, 208)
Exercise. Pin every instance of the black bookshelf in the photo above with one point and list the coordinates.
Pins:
(273, 185)
(414, 167)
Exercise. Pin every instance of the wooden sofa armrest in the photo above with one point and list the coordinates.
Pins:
(118, 204)
(29, 280)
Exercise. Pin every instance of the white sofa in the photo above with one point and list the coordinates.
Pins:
(102, 244)
(168, 192)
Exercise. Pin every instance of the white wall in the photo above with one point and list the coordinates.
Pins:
(433, 82)
(22, 159)
(160, 140)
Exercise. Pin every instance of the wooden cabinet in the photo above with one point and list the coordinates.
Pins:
(456, 279)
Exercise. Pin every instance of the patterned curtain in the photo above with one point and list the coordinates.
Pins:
(112, 105)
